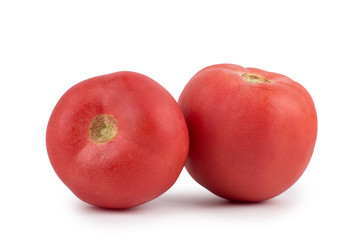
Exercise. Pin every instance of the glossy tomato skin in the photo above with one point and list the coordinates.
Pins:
(248, 141)
(140, 163)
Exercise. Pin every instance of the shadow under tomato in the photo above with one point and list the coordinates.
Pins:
(207, 203)
(196, 202)
(90, 209)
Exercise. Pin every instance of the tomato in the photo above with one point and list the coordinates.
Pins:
(252, 132)
(117, 140)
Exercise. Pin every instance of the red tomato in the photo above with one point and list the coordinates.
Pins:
(252, 132)
(117, 140)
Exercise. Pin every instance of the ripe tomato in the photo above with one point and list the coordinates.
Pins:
(117, 140)
(252, 132)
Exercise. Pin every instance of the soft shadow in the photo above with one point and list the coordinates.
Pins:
(197, 202)
(90, 209)
(207, 201)
(210, 204)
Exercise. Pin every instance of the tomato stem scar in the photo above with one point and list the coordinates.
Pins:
(103, 128)
(252, 78)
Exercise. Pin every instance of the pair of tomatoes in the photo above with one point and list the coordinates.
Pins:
(120, 140)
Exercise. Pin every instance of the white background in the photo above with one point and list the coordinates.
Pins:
(48, 46)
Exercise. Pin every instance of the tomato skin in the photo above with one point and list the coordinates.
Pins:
(248, 141)
(140, 163)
